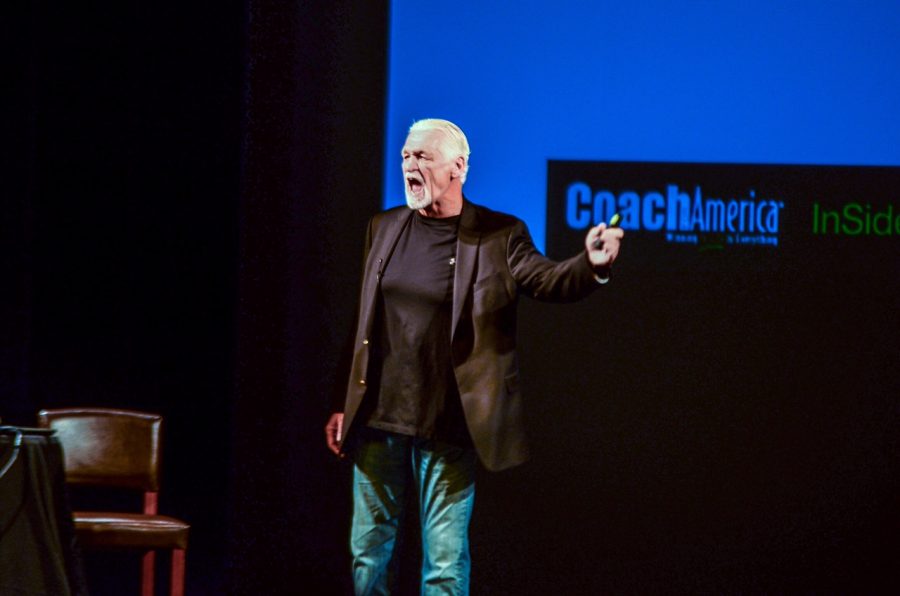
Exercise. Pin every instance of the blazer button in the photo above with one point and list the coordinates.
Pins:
(365, 342)
(362, 381)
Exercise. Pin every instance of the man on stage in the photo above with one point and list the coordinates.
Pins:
(434, 374)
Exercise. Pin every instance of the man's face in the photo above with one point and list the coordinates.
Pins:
(427, 173)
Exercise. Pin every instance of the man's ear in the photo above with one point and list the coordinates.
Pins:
(460, 165)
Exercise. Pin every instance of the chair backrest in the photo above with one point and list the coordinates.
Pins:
(108, 447)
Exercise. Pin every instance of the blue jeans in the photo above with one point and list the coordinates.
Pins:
(444, 477)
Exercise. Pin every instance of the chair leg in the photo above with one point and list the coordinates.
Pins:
(147, 573)
(178, 556)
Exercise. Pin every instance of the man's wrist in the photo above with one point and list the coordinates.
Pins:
(602, 274)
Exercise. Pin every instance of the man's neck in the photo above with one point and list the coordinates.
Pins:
(446, 207)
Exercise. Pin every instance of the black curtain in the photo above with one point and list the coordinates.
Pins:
(185, 191)
(312, 157)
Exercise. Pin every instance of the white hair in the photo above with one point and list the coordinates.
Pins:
(455, 143)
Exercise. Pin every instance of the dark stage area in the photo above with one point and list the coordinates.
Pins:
(186, 190)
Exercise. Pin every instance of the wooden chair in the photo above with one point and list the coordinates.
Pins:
(120, 448)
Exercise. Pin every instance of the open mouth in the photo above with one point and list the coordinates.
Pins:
(415, 185)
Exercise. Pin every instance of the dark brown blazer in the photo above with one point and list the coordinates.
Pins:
(495, 262)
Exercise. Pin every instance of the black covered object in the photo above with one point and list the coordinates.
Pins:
(38, 553)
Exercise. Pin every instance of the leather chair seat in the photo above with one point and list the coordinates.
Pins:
(130, 530)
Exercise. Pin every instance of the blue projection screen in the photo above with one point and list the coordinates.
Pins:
(725, 82)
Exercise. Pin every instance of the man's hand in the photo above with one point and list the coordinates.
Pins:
(333, 432)
(602, 245)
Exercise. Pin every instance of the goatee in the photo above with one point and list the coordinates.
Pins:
(415, 203)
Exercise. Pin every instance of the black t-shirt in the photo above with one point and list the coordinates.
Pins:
(417, 392)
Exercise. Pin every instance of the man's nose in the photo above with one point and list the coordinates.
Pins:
(410, 164)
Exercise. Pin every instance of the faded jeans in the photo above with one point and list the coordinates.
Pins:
(444, 477)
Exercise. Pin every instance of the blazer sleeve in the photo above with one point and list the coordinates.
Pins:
(345, 358)
(545, 279)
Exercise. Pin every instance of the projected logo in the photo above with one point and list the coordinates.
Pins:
(684, 218)
(761, 215)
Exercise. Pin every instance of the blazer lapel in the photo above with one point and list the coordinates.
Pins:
(468, 239)
(381, 253)
(383, 245)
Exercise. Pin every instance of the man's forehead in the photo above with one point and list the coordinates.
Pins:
(424, 139)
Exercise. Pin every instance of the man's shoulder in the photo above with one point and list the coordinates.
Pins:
(388, 217)
(392, 214)
(490, 220)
